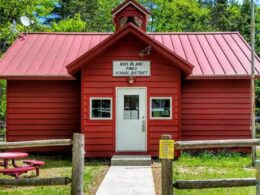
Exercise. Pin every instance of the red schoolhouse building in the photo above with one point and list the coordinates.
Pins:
(124, 89)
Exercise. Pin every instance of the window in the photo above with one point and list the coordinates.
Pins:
(131, 107)
(161, 108)
(101, 108)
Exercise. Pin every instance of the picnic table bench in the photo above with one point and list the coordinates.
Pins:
(36, 164)
(16, 170)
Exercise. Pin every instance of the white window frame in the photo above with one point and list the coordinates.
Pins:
(161, 118)
(100, 98)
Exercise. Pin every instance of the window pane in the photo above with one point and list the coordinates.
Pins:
(155, 103)
(106, 103)
(131, 107)
(96, 113)
(96, 103)
(101, 108)
(161, 108)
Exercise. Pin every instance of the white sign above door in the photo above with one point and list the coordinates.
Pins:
(131, 68)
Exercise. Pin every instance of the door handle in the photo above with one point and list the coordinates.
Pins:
(143, 126)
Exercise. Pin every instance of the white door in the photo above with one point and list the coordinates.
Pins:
(131, 119)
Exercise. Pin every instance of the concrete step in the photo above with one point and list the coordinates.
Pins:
(131, 160)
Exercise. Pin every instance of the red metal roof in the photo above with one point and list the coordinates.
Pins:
(46, 54)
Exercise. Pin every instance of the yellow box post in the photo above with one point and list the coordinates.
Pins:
(166, 154)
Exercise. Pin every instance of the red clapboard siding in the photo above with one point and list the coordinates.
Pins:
(42, 110)
(97, 81)
(216, 109)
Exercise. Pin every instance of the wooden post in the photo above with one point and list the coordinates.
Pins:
(77, 164)
(166, 165)
(253, 130)
(257, 168)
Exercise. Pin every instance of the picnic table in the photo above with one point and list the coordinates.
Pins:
(6, 156)
(16, 170)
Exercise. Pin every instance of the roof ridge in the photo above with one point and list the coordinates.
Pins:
(150, 33)
(192, 33)
(70, 33)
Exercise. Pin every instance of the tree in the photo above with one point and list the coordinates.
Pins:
(225, 16)
(96, 13)
(177, 15)
(12, 10)
(74, 24)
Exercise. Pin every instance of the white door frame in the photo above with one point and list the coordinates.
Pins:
(116, 121)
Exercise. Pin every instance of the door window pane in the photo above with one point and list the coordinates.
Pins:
(131, 106)
(100, 108)
(161, 108)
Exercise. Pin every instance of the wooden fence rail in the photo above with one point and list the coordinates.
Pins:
(77, 163)
(207, 144)
(36, 182)
(36, 143)
(212, 183)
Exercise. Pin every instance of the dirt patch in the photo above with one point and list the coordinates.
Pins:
(93, 187)
(156, 167)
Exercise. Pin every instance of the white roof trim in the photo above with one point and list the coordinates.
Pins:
(130, 2)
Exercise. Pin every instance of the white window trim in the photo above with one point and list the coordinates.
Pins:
(160, 118)
(100, 98)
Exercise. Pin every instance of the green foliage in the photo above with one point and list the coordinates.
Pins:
(96, 13)
(74, 24)
(178, 15)
(12, 10)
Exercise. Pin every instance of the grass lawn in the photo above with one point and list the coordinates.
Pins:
(203, 166)
(209, 166)
(58, 166)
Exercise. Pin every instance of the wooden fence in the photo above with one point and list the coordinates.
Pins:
(168, 184)
(76, 179)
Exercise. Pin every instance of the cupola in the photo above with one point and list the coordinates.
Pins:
(130, 11)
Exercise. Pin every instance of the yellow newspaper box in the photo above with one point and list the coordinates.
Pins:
(166, 149)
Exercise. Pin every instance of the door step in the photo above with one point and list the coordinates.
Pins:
(131, 160)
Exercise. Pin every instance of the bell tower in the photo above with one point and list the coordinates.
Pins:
(130, 11)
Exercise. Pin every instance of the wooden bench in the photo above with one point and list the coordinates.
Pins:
(36, 164)
(16, 172)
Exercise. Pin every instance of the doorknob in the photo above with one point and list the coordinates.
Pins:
(143, 126)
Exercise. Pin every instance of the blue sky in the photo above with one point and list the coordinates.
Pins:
(256, 1)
